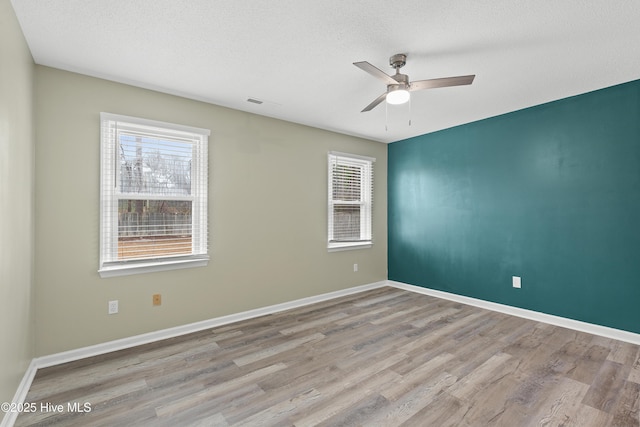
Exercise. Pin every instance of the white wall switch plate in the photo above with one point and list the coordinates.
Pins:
(517, 282)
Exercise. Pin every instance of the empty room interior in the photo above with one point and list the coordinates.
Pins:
(319, 213)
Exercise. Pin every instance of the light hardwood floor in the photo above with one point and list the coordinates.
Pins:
(382, 357)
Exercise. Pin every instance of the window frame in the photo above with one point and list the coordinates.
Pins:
(365, 202)
(110, 194)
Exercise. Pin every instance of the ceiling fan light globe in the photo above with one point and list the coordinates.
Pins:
(397, 97)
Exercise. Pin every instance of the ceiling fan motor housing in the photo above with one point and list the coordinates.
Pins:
(398, 60)
(403, 82)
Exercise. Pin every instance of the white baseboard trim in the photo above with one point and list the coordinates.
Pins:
(21, 393)
(564, 322)
(120, 344)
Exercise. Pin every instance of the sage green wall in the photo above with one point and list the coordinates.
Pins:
(16, 204)
(550, 193)
(267, 216)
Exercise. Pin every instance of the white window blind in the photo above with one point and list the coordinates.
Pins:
(350, 200)
(153, 195)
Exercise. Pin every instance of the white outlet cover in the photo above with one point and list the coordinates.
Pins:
(517, 282)
(113, 307)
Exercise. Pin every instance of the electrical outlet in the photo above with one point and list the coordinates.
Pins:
(157, 299)
(516, 281)
(113, 307)
(355, 267)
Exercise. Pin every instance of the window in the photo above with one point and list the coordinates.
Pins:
(350, 201)
(153, 212)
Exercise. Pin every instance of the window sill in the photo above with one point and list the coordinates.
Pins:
(127, 269)
(336, 247)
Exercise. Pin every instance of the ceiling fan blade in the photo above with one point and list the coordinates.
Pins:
(375, 72)
(375, 103)
(443, 82)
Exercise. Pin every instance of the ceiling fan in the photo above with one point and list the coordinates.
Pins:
(399, 86)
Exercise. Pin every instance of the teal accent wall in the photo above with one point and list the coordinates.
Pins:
(550, 193)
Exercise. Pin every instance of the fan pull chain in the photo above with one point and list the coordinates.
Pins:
(386, 117)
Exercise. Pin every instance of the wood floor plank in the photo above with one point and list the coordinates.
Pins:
(589, 364)
(400, 316)
(627, 412)
(623, 352)
(380, 357)
(494, 404)
(634, 374)
(440, 328)
(311, 366)
(275, 414)
(415, 377)
(275, 396)
(305, 326)
(435, 315)
(394, 294)
(218, 389)
(338, 399)
(560, 404)
(357, 415)
(364, 316)
(277, 349)
(491, 371)
(607, 386)
(443, 411)
(412, 402)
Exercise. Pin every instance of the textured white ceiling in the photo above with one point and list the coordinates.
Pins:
(297, 55)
